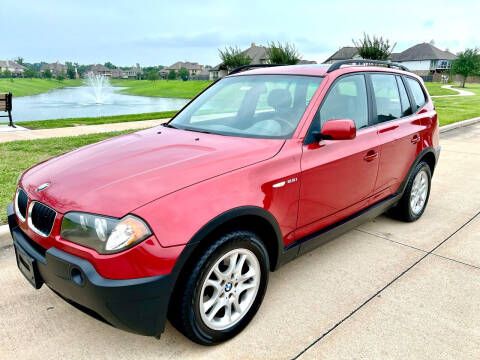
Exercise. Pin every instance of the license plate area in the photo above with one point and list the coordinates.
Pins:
(28, 267)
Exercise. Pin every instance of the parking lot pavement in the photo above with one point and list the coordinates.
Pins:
(385, 290)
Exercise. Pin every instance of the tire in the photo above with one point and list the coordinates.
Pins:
(414, 200)
(214, 286)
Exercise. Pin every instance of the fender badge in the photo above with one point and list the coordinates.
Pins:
(43, 187)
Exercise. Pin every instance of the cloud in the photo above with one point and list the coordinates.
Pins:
(429, 24)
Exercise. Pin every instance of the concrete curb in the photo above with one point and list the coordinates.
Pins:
(5, 237)
(459, 124)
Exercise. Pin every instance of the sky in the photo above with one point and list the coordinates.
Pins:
(163, 32)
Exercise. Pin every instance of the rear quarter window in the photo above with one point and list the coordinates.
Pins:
(417, 92)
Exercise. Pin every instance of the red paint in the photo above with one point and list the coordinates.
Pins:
(339, 129)
(177, 184)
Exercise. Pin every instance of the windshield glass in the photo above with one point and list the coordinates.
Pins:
(262, 106)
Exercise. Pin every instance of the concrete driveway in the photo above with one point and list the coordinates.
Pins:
(385, 290)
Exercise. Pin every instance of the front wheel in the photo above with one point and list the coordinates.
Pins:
(415, 198)
(224, 290)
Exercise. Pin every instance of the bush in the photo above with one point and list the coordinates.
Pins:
(283, 54)
(375, 48)
(183, 74)
(172, 75)
(233, 57)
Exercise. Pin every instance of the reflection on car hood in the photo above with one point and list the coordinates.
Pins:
(118, 175)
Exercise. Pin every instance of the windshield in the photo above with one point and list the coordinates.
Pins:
(262, 106)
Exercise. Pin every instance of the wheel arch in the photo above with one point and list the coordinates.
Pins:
(256, 219)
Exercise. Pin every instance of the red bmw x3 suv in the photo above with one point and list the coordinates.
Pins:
(187, 219)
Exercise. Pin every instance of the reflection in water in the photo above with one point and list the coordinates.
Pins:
(79, 101)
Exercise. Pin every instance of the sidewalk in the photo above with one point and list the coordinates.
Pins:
(8, 134)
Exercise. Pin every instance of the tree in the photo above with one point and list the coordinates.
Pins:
(7, 73)
(183, 74)
(282, 54)
(30, 73)
(233, 57)
(71, 72)
(152, 75)
(61, 76)
(47, 74)
(374, 48)
(109, 65)
(19, 60)
(172, 75)
(467, 64)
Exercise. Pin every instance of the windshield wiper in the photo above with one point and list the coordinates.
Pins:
(169, 126)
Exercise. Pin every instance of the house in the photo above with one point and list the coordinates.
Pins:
(193, 68)
(55, 68)
(344, 53)
(425, 59)
(258, 55)
(98, 69)
(119, 74)
(133, 73)
(15, 68)
(202, 75)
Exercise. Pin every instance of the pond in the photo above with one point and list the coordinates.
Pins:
(81, 101)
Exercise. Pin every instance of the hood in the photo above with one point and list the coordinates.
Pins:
(118, 175)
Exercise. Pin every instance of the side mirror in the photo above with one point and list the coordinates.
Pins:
(338, 129)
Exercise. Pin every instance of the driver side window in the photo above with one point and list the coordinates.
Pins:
(347, 99)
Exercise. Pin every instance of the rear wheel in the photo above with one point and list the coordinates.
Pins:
(225, 289)
(415, 198)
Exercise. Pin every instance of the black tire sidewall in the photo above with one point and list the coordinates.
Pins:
(232, 241)
(422, 166)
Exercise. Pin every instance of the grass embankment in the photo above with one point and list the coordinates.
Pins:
(162, 88)
(23, 87)
(60, 123)
(18, 156)
(435, 89)
(457, 108)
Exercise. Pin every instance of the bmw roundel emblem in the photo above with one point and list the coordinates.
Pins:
(43, 186)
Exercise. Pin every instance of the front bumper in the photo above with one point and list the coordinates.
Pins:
(135, 305)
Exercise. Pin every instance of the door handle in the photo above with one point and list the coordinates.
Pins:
(371, 155)
(415, 139)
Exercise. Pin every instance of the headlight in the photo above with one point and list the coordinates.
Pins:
(105, 234)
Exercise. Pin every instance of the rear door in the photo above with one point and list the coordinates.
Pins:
(398, 127)
(338, 176)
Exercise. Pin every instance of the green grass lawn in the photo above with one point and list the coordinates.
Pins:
(22, 87)
(18, 156)
(59, 123)
(162, 88)
(435, 89)
(457, 108)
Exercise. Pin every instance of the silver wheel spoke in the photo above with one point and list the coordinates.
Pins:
(419, 192)
(220, 303)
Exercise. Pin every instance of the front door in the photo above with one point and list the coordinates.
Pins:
(338, 176)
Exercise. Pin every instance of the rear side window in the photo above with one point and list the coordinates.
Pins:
(417, 93)
(406, 107)
(347, 99)
(387, 97)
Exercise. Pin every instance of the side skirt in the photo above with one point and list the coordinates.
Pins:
(312, 241)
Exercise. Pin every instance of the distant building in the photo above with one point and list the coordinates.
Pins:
(193, 68)
(257, 54)
(55, 68)
(98, 69)
(133, 73)
(119, 74)
(15, 68)
(425, 59)
(344, 53)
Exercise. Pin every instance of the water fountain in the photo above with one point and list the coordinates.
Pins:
(99, 86)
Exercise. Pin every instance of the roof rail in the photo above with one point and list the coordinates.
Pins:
(336, 65)
(240, 68)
